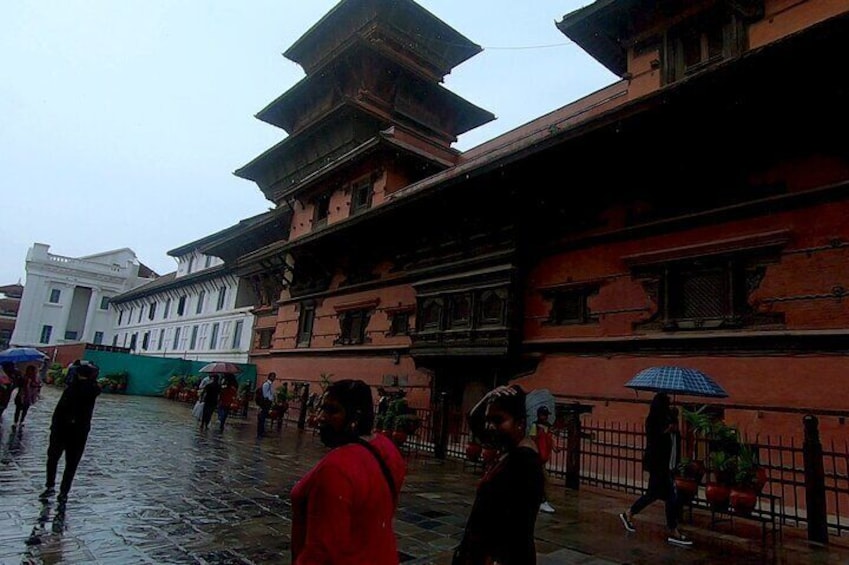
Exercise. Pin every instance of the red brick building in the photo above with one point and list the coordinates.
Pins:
(693, 213)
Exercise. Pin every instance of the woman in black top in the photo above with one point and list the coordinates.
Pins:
(659, 459)
(500, 528)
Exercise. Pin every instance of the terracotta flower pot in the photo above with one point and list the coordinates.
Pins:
(686, 488)
(717, 495)
(743, 501)
(399, 437)
(473, 451)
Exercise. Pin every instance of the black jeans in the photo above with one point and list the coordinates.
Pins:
(261, 418)
(72, 443)
(661, 487)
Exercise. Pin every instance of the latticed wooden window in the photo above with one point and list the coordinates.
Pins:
(705, 295)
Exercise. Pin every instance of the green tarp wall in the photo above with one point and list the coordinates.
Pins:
(148, 376)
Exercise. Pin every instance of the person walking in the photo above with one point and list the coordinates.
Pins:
(500, 527)
(28, 388)
(659, 460)
(209, 395)
(8, 380)
(342, 509)
(265, 399)
(544, 439)
(228, 396)
(69, 430)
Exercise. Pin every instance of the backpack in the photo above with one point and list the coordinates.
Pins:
(258, 397)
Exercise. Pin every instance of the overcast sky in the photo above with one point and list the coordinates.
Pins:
(122, 121)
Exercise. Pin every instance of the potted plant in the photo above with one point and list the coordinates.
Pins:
(744, 492)
(405, 425)
(688, 475)
(473, 449)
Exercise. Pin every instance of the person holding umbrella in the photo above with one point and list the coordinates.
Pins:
(8, 379)
(659, 460)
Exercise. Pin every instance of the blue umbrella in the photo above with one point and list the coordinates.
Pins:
(676, 380)
(21, 354)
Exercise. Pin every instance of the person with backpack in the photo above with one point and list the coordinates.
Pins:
(264, 397)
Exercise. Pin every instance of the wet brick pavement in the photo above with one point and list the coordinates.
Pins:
(152, 489)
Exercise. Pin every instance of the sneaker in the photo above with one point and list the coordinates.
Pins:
(679, 540)
(48, 492)
(546, 507)
(626, 522)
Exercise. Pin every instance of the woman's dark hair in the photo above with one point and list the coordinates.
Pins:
(355, 397)
(659, 408)
(513, 404)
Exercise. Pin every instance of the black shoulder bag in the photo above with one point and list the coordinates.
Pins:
(383, 467)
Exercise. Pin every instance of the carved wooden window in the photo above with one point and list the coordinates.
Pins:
(704, 294)
(361, 196)
(400, 323)
(492, 308)
(322, 210)
(352, 327)
(703, 42)
(460, 310)
(568, 307)
(431, 314)
(265, 337)
(305, 324)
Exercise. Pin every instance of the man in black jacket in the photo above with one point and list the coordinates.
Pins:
(69, 429)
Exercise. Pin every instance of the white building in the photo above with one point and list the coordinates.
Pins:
(201, 311)
(66, 299)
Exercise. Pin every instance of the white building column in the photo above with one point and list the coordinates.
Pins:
(91, 313)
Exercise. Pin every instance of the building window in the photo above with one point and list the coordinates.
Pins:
(151, 311)
(352, 326)
(322, 210)
(181, 306)
(161, 339)
(70, 335)
(305, 323)
(265, 337)
(46, 331)
(703, 42)
(104, 303)
(400, 323)
(191, 265)
(194, 339)
(570, 305)
(141, 313)
(98, 338)
(176, 343)
(430, 317)
(492, 305)
(213, 339)
(167, 309)
(222, 295)
(124, 343)
(201, 298)
(460, 311)
(133, 341)
(703, 295)
(55, 294)
(237, 335)
(208, 261)
(145, 341)
(120, 317)
(361, 196)
(115, 340)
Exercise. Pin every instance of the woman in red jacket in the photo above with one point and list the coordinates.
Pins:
(342, 510)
